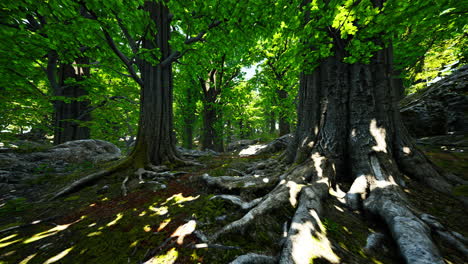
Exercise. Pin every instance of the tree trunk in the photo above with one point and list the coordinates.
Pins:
(156, 139)
(188, 133)
(348, 114)
(284, 126)
(272, 122)
(65, 128)
(212, 135)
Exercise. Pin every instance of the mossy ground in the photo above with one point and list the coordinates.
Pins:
(93, 226)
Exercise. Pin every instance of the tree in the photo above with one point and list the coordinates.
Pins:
(37, 25)
(349, 130)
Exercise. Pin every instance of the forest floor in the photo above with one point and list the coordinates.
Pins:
(99, 225)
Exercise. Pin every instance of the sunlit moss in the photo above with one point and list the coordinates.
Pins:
(5, 244)
(48, 233)
(28, 258)
(59, 256)
(117, 218)
(169, 258)
(94, 234)
(159, 210)
(8, 237)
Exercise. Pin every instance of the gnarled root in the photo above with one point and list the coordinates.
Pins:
(78, 184)
(454, 239)
(238, 201)
(254, 258)
(412, 235)
(306, 232)
(283, 193)
(236, 182)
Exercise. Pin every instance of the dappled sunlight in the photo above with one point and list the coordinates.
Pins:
(58, 256)
(314, 245)
(184, 230)
(94, 234)
(379, 135)
(8, 237)
(50, 232)
(117, 219)
(251, 150)
(318, 161)
(169, 258)
(163, 224)
(179, 198)
(294, 190)
(406, 150)
(5, 244)
(28, 258)
(159, 210)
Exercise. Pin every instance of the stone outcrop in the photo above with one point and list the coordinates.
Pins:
(440, 108)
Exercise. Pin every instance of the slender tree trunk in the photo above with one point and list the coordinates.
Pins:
(156, 139)
(284, 125)
(65, 129)
(212, 134)
(272, 122)
(188, 133)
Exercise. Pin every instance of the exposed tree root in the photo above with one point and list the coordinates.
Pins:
(243, 182)
(238, 201)
(454, 239)
(411, 231)
(254, 258)
(124, 187)
(156, 171)
(85, 181)
(306, 238)
(412, 235)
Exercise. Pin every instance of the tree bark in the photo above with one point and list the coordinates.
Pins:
(156, 139)
(65, 128)
(212, 136)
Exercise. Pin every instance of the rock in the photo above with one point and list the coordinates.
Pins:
(240, 144)
(79, 151)
(439, 108)
(196, 153)
(276, 145)
(18, 166)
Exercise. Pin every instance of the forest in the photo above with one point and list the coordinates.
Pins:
(234, 131)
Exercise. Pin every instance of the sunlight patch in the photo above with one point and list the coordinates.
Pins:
(179, 198)
(159, 210)
(113, 222)
(379, 136)
(8, 237)
(28, 258)
(58, 256)
(49, 232)
(163, 224)
(94, 234)
(169, 258)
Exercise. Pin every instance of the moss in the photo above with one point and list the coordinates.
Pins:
(461, 190)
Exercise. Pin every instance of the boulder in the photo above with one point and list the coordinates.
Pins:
(276, 145)
(240, 144)
(18, 166)
(440, 108)
(79, 151)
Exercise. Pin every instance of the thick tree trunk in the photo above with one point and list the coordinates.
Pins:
(65, 129)
(348, 113)
(156, 139)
